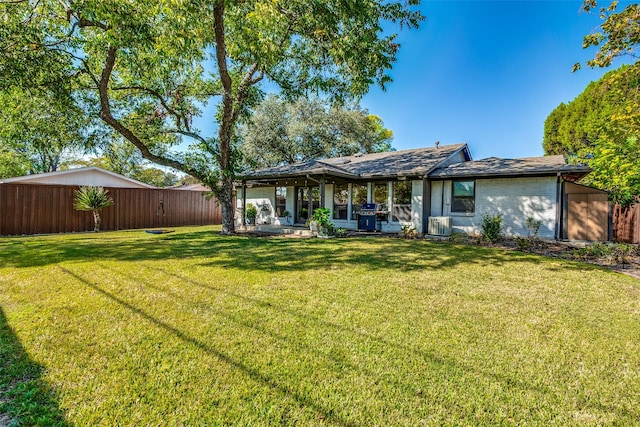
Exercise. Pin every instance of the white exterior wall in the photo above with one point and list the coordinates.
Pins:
(515, 199)
(417, 191)
(264, 197)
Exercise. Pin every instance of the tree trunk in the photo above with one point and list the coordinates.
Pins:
(96, 221)
(226, 200)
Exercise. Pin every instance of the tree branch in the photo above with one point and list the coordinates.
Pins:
(107, 116)
(181, 119)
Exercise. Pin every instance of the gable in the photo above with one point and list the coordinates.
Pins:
(82, 176)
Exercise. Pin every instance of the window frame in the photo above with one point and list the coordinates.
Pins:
(277, 205)
(394, 204)
(453, 197)
(341, 207)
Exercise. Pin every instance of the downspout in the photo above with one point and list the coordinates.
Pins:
(558, 228)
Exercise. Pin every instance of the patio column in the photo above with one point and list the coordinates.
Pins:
(244, 203)
(321, 184)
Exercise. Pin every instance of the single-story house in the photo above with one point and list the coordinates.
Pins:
(437, 190)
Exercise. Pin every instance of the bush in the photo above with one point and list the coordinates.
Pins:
(533, 226)
(340, 232)
(492, 228)
(251, 212)
(409, 232)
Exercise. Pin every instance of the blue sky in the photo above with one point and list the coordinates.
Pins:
(487, 73)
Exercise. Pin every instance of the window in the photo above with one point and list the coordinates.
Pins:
(340, 201)
(401, 201)
(281, 200)
(381, 195)
(358, 198)
(463, 196)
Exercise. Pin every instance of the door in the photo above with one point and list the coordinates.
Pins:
(307, 199)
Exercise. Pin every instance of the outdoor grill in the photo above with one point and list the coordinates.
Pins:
(367, 217)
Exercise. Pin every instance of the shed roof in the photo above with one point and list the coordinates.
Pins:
(493, 166)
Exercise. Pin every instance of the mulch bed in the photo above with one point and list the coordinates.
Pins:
(578, 251)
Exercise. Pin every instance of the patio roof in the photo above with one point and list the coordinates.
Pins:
(392, 164)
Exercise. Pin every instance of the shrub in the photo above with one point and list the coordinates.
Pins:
(322, 217)
(340, 232)
(492, 228)
(409, 232)
(251, 213)
(89, 198)
(533, 226)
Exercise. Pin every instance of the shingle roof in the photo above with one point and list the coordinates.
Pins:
(414, 162)
(493, 166)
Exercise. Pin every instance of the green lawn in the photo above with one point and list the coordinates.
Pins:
(194, 328)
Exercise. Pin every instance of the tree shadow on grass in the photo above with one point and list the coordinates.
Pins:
(253, 373)
(255, 253)
(25, 399)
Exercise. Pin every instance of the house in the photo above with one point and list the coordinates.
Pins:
(91, 175)
(437, 190)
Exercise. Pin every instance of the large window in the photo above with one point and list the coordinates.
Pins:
(340, 201)
(358, 198)
(402, 201)
(381, 195)
(281, 200)
(463, 197)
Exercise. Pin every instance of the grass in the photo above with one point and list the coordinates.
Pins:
(195, 328)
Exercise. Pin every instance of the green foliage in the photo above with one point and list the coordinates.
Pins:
(612, 253)
(40, 131)
(340, 232)
(322, 217)
(94, 199)
(282, 132)
(618, 35)
(533, 226)
(492, 228)
(90, 198)
(251, 212)
(600, 128)
(140, 66)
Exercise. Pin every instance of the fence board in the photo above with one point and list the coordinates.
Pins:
(37, 209)
(626, 223)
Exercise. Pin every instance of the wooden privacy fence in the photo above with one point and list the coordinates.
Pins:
(37, 209)
(626, 223)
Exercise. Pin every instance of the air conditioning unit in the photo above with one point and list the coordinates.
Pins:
(439, 226)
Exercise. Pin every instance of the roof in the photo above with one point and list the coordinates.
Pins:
(416, 162)
(493, 166)
(190, 187)
(90, 175)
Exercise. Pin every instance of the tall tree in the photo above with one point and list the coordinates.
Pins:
(41, 129)
(282, 132)
(142, 64)
(601, 128)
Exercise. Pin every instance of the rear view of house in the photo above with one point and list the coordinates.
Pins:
(436, 190)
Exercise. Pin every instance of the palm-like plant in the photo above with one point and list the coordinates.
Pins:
(89, 198)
